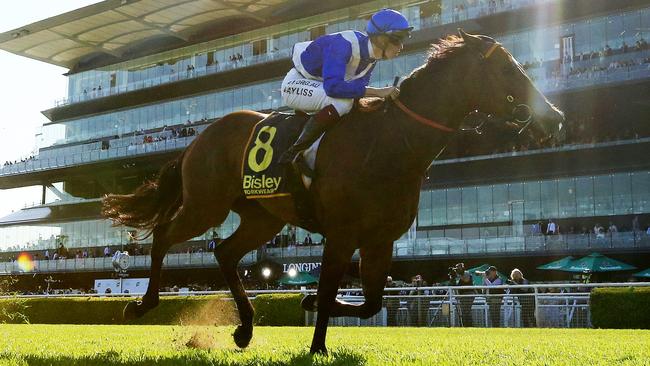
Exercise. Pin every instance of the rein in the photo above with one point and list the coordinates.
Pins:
(420, 118)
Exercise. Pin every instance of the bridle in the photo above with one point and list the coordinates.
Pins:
(521, 115)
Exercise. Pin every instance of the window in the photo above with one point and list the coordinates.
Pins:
(470, 205)
(500, 202)
(622, 194)
(641, 191)
(439, 207)
(549, 199)
(317, 32)
(425, 217)
(485, 204)
(454, 204)
(532, 206)
(603, 195)
(567, 197)
(260, 47)
(585, 196)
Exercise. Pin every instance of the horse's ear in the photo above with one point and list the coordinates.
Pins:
(470, 39)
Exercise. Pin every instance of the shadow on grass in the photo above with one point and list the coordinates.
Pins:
(342, 357)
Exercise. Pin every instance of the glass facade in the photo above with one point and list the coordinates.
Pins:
(266, 44)
(583, 196)
(98, 234)
(485, 211)
(529, 46)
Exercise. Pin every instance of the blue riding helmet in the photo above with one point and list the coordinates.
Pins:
(391, 23)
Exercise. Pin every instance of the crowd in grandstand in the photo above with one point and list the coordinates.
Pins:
(167, 133)
(23, 160)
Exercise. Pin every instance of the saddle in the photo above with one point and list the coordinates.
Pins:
(262, 175)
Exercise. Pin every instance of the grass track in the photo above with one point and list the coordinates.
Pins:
(176, 345)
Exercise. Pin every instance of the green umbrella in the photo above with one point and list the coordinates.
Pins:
(596, 262)
(645, 273)
(300, 278)
(559, 264)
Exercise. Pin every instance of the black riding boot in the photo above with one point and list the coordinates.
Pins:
(315, 126)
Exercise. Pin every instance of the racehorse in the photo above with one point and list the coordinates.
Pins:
(369, 172)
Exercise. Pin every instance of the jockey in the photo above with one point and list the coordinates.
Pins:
(333, 70)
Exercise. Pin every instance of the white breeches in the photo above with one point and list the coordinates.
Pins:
(309, 96)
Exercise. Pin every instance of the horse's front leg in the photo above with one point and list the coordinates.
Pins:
(336, 257)
(374, 267)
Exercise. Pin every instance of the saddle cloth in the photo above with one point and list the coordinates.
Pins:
(262, 176)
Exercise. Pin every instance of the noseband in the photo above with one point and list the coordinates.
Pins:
(521, 114)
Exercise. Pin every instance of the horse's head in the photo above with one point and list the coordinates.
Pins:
(498, 86)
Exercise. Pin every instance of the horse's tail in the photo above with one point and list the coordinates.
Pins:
(153, 203)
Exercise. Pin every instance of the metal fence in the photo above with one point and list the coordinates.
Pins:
(558, 305)
(527, 306)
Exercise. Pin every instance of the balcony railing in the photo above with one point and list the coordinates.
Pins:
(183, 260)
(553, 244)
(176, 76)
(533, 244)
(57, 162)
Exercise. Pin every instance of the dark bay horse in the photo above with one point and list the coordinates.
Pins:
(370, 170)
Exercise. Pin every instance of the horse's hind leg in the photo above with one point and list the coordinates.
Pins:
(188, 223)
(256, 227)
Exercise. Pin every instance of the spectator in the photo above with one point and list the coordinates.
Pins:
(464, 278)
(612, 228)
(392, 303)
(308, 240)
(551, 228)
(491, 278)
(607, 51)
(416, 303)
(527, 302)
(107, 251)
(599, 231)
(536, 228)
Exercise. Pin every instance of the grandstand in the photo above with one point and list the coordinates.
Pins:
(145, 78)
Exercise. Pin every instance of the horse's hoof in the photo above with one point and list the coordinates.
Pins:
(242, 336)
(133, 310)
(309, 303)
(321, 350)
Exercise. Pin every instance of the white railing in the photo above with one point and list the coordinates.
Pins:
(558, 305)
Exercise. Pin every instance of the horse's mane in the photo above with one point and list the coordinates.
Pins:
(439, 53)
(444, 48)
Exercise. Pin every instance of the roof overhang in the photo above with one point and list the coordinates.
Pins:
(54, 213)
(112, 29)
